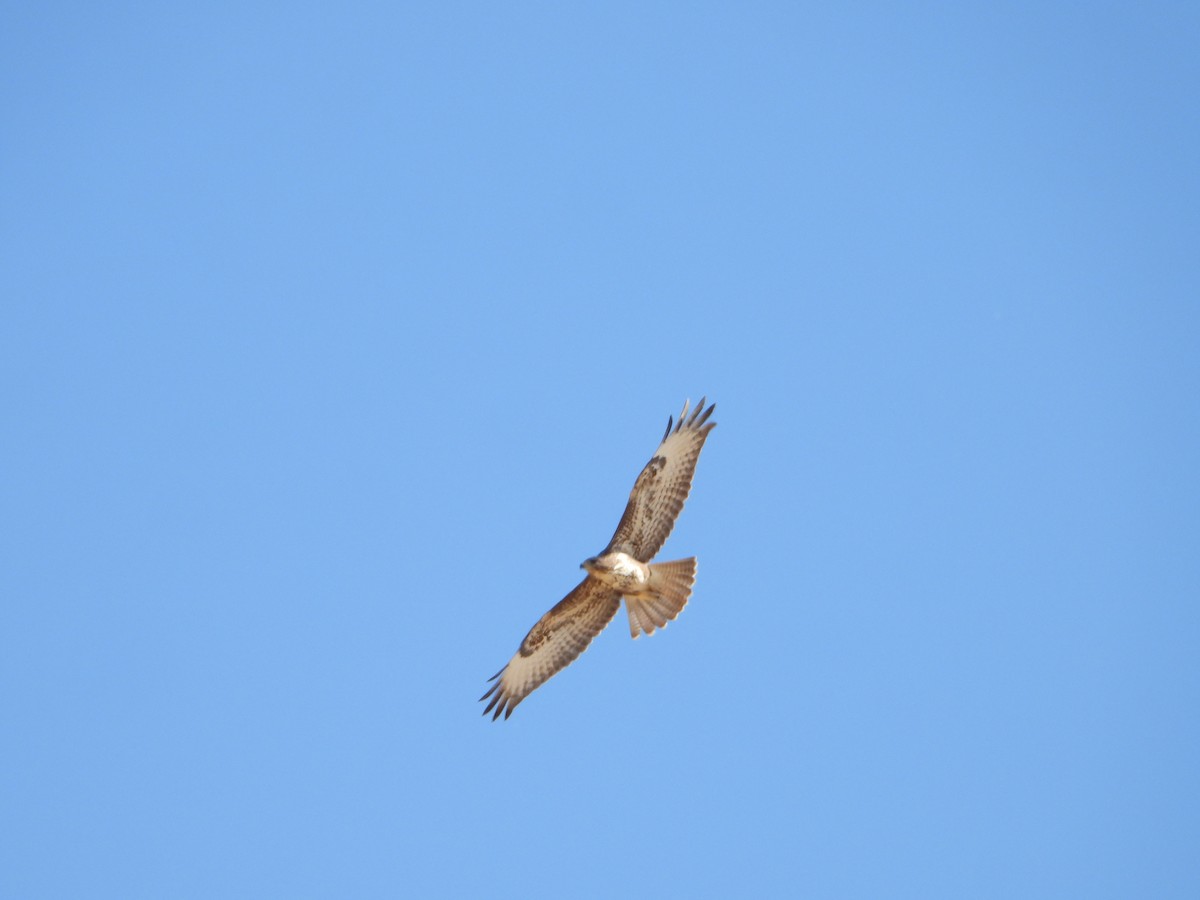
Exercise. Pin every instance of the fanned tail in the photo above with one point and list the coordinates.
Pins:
(669, 588)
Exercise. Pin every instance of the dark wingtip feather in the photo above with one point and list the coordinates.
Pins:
(670, 422)
(501, 702)
(683, 415)
(492, 690)
(694, 419)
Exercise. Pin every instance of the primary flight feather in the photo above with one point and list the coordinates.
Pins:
(654, 593)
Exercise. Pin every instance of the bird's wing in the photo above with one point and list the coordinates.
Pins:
(659, 492)
(552, 644)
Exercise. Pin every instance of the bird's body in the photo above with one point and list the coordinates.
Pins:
(654, 593)
(618, 570)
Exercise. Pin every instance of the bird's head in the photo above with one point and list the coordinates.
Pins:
(589, 564)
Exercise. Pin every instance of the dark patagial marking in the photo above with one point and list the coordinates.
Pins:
(652, 469)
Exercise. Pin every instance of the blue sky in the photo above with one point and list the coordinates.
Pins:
(335, 335)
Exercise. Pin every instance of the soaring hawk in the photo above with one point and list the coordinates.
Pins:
(654, 593)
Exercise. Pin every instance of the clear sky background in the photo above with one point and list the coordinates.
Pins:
(334, 336)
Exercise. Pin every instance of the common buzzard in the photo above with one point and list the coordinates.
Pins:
(654, 593)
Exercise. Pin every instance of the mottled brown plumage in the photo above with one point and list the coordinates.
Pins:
(655, 593)
(659, 493)
(555, 641)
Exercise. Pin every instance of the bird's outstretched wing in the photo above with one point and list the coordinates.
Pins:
(552, 644)
(659, 492)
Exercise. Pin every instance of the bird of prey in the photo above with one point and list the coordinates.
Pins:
(654, 593)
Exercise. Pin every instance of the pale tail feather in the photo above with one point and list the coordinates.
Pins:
(669, 589)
